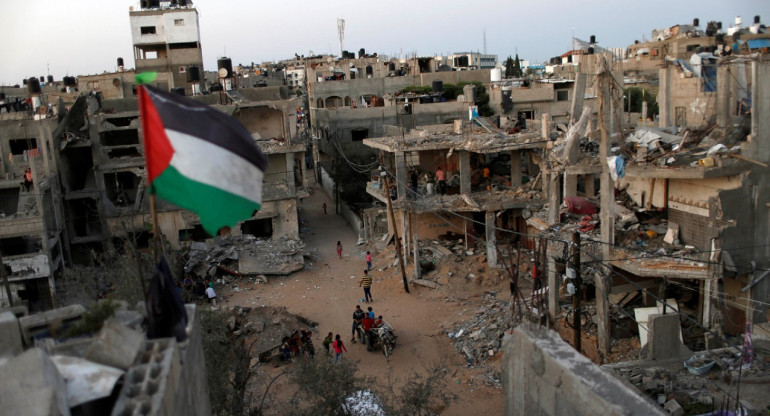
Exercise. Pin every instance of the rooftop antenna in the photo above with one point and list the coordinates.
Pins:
(341, 32)
(485, 41)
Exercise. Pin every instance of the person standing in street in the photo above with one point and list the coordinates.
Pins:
(358, 316)
(328, 342)
(339, 249)
(339, 346)
(211, 295)
(366, 283)
(368, 260)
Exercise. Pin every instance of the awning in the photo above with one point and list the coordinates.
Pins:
(758, 43)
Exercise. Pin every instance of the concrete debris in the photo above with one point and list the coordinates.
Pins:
(115, 346)
(86, 380)
(485, 329)
(246, 255)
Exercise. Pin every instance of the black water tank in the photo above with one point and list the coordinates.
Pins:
(437, 86)
(593, 39)
(120, 62)
(719, 38)
(193, 73)
(178, 90)
(227, 64)
(70, 81)
(183, 3)
(696, 22)
(174, 2)
(50, 79)
(154, 3)
(42, 78)
(215, 87)
(24, 81)
(33, 85)
(756, 19)
(719, 25)
(361, 53)
(590, 51)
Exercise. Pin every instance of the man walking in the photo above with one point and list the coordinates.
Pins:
(366, 283)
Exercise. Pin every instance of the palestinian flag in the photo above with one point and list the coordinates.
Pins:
(200, 159)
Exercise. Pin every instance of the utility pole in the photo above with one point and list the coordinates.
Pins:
(577, 281)
(392, 217)
(5, 281)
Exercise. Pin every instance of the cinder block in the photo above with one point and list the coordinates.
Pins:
(10, 334)
(30, 384)
(674, 408)
(116, 346)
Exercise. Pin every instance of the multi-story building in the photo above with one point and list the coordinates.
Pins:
(167, 39)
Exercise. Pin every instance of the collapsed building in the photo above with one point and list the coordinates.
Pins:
(88, 193)
(424, 210)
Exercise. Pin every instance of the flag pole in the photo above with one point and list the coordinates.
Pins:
(155, 229)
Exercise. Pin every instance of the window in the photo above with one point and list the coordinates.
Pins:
(178, 22)
(19, 146)
(182, 70)
(562, 95)
(147, 30)
(92, 85)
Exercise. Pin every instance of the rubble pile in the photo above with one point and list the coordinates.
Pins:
(247, 255)
(672, 381)
(481, 336)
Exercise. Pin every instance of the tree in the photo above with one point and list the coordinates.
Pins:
(517, 67)
(509, 67)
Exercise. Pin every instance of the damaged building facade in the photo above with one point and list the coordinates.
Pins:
(423, 209)
(88, 193)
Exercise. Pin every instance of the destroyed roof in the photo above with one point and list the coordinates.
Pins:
(279, 146)
(522, 197)
(474, 142)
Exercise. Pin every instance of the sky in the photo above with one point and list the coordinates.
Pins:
(77, 37)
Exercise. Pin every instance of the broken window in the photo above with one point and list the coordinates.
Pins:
(79, 162)
(19, 146)
(262, 227)
(562, 95)
(359, 134)
(84, 217)
(178, 22)
(120, 121)
(16, 246)
(131, 151)
(680, 116)
(119, 137)
(196, 233)
(121, 187)
(147, 30)
(692, 48)
(9, 201)
(183, 45)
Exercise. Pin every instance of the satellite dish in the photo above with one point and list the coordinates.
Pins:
(116, 82)
(222, 72)
(130, 8)
(329, 59)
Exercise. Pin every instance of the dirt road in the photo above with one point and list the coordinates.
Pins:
(328, 293)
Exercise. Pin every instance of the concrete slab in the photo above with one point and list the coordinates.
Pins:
(665, 338)
(116, 346)
(30, 384)
(10, 334)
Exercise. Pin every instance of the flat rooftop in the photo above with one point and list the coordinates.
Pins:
(481, 142)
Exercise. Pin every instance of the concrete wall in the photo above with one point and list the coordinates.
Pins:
(543, 375)
(686, 93)
(327, 183)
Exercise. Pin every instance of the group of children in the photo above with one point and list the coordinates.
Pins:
(299, 343)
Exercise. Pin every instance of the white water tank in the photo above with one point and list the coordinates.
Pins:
(496, 74)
